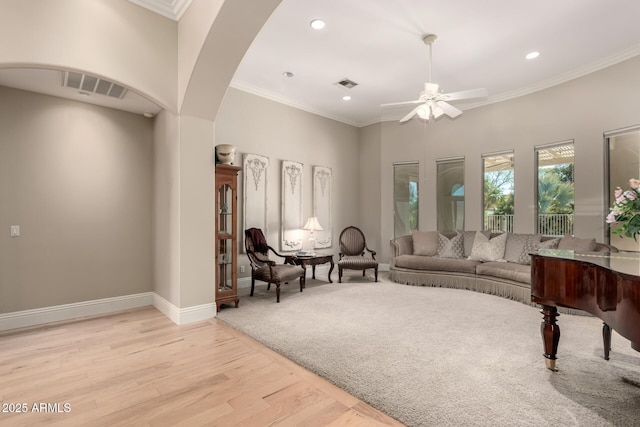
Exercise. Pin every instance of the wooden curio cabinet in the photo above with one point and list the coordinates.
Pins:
(226, 235)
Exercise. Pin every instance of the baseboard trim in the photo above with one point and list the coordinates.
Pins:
(25, 318)
(182, 316)
(58, 313)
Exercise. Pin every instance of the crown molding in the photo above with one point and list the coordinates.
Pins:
(536, 87)
(557, 80)
(254, 90)
(172, 9)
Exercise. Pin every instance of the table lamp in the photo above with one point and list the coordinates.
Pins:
(312, 225)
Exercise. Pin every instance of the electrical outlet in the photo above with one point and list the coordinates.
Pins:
(15, 231)
(242, 269)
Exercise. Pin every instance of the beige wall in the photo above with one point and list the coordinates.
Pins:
(166, 207)
(260, 126)
(197, 250)
(139, 49)
(369, 147)
(186, 68)
(581, 110)
(111, 38)
(77, 179)
(230, 32)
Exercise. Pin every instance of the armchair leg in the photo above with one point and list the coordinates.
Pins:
(339, 274)
(376, 274)
(278, 292)
(253, 285)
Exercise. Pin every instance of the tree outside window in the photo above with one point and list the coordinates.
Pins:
(555, 192)
(499, 191)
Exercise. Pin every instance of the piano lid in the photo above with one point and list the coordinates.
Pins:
(620, 262)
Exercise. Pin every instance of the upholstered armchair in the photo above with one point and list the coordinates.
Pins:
(352, 253)
(265, 269)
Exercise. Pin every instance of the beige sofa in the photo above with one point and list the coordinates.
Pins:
(493, 263)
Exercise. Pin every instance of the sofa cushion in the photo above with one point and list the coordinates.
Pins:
(529, 246)
(450, 247)
(425, 242)
(547, 244)
(469, 237)
(576, 243)
(505, 270)
(519, 246)
(420, 262)
(488, 250)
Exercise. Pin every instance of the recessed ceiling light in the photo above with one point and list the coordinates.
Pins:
(287, 74)
(532, 55)
(346, 98)
(317, 24)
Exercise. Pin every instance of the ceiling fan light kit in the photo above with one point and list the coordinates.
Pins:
(432, 102)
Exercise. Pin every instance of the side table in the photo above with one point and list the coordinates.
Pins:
(311, 260)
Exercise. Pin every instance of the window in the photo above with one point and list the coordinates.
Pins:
(623, 163)
(405, 198)
(450, 194)
(554, 193)
(498, 191)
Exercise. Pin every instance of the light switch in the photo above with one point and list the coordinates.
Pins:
(15, 230)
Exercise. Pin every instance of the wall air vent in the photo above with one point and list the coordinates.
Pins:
(91, 84)
(349, 84)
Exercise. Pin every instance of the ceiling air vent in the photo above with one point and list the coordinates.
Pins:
(349, 84)
(91, 84)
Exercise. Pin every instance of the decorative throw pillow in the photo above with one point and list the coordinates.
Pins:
(469, 237)
(529, 246)
(488, 250)
(576, 243)
(450, 248)
(425, 242)
(547, 244)
(518, 247)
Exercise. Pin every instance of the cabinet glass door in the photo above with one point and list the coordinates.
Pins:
(225, 265)
(225, 219)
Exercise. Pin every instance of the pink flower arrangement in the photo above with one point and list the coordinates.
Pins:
(626, 210)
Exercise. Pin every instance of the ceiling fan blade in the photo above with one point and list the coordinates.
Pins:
(410, 115)
(401, 103)
(449, 109)
(466, 94)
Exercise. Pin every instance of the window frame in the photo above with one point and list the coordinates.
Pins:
(395, 213)
(536, 173)
(444, 161)
(483, 157)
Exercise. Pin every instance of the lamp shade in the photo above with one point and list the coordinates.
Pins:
(312, 224)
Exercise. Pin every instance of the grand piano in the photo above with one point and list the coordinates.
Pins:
(605, 285)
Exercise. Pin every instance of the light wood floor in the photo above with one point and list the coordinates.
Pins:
(138, 368)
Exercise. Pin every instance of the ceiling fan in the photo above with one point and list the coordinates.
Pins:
(432, 102)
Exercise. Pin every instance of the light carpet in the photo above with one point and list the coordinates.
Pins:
(437, 357)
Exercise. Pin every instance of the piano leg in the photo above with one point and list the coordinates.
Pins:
(550, 332)
(606, 338)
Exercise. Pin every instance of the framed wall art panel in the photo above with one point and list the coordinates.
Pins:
(292, 221)
(322, 204)
(254, 192)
